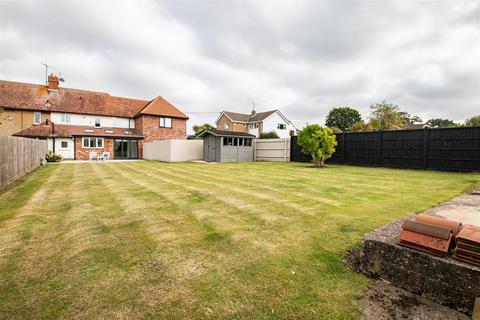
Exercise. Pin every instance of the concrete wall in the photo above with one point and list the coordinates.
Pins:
(272, 150)
(173, 150)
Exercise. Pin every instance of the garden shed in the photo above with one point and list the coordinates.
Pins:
(227, 146)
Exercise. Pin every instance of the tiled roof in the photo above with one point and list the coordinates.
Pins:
(241, 117)
(50, 130)
(222, 133)
(163, 107)
(25, 96)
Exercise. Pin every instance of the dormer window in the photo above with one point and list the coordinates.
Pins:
(97, 123)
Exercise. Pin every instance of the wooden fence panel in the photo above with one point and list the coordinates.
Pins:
(447, 149)
(19, 156)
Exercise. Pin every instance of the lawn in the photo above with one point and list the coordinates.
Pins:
(191, 240)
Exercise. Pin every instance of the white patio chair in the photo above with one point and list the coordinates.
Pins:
(92, 156)
(106, 156)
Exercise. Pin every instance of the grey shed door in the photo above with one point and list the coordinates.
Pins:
(212, 148)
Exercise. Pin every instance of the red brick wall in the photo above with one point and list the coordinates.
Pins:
(82, 153)
(232, 126)
(149, 126)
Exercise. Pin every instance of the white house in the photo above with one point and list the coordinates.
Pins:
(256, 123)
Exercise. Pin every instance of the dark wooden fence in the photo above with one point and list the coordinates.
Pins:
(449, 149)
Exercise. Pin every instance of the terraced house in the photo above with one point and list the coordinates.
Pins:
(79, 123)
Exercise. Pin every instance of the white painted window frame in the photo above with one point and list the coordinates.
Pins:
(35, 114)
(164, 121)
(89, 143)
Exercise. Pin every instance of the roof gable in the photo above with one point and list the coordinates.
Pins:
(245, 118)
(162, 107)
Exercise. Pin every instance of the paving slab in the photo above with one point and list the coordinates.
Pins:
(465, 208)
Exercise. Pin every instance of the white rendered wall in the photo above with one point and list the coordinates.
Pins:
(89, 120)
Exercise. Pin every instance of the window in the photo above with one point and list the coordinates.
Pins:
(240, 142)
(235, 142)
(225, 126)
(65, 118)
(97, 123)
(248, 142)
(165, 122)
(281, 126)
(244, 125)
(227, 141)
(37, 117)
(64, 144)
(115, 122)
(93, 142)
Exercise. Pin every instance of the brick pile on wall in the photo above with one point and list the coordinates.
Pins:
(442, 280)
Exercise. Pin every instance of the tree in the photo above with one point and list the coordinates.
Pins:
(342, 118)
(387, 116)
(269, 135)
(473, 122)
(318, 142)
(441, 123)
(199, 128)
(361, 126)
(410, 119)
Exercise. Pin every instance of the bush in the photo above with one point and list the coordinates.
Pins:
(317, 142)
(269, 135)
(53, 157)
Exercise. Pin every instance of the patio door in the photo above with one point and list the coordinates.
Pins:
(125, 149)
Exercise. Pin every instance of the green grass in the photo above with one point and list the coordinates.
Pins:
(189, 240)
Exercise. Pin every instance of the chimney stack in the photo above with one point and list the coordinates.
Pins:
(53, 82)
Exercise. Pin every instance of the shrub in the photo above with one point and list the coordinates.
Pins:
(53, 157)
(318, 142)
(269, 135)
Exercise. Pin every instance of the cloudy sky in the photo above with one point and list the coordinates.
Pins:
(300, 57)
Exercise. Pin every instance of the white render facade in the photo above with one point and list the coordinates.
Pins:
(276, 123)
(91, 120)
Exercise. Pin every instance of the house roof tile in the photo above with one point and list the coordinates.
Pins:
(51, 130)
(241, 117)
(25, 96)
(163, 107)
(222, 133)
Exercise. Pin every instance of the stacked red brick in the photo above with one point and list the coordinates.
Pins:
(430, 234)
(468, 245)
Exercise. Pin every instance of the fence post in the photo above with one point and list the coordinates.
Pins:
(344, 152)
(425, 147)
(380, 147)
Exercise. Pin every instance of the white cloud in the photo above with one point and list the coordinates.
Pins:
(301, 57)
